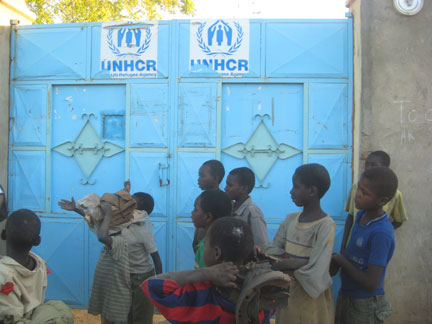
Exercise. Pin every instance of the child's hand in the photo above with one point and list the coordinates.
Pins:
(336, 258)
(223, 274)
(334, 267)
(127, 186)
(67, 205)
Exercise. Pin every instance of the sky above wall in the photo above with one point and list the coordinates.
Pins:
(265, 9)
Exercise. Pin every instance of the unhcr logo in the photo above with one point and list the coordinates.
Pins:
(129, 41)
(219, 38)
(129, 51)
(221, 45)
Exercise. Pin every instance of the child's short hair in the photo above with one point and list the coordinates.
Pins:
(245, 176)
(314, 174)
(216, 202)
(144, 201)
(233, 236)
(217, 169)
(383, 180)
(382, 156)
(23, 228)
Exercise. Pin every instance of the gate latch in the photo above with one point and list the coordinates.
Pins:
(163, 174)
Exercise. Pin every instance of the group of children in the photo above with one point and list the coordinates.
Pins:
(230, 230)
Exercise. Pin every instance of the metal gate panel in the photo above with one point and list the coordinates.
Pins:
(309, 49)
(27, 180)
(148, 173)
(66, 269)
(149, 167)
(328, 122)
(279, 105)
(94, 124)
(51, 53)
(197, 114)
(92, 248)
(28, 115)
(149, 115)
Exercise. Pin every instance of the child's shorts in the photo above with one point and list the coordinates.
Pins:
(372, 310)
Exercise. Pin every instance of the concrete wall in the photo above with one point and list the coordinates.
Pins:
(16, 10)
(393, 71)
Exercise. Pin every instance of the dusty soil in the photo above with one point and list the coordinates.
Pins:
(82, 317)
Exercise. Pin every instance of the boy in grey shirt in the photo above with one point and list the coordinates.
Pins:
(239, 185)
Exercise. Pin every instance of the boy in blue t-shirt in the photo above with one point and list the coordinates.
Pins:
(369, 250)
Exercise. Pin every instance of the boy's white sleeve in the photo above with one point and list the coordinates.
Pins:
(314, 276)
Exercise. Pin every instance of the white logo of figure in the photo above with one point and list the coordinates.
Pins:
(219, 38)
(129, 41)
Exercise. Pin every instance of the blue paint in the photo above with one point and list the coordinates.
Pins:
(296, 94)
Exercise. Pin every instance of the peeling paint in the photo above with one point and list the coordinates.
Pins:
(68, 99)
(259, 106)
(74, 116)
(260, 88)
(227, 108)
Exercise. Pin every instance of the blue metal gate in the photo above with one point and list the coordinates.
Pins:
(74, 130)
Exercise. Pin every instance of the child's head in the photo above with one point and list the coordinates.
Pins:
(228, 239)
(376, 187)
(377, 159)
(210, 174)
(240, 183)
(22, 230)
(310, 181)
(144, 201)
(209, 206)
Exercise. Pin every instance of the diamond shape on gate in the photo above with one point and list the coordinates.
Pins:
(88, 149)
(261, 151)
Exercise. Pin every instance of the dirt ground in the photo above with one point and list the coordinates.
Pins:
(82, 317)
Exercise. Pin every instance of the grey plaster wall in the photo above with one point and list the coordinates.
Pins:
(4, 102)
(396, 116)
